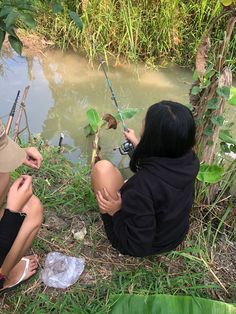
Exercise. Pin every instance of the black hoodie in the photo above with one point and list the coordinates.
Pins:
(156, 202)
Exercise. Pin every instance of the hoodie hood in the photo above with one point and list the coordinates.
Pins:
(177, 172)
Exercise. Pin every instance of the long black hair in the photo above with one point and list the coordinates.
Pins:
(169, 131)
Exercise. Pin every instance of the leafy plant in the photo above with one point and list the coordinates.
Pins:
(93, 119)
(127, 113)
(169, 304)
(232, 96)
(210, 173)
(95, 122)
(12, 13)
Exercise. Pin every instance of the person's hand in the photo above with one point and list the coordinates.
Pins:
(19, 193)
(33, 158)
(130, 135)
(107, 203)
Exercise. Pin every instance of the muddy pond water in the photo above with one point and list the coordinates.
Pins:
(64, 86)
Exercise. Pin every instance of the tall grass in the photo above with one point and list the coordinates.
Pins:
(140, 30)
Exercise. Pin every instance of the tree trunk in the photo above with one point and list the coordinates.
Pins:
(206, 142)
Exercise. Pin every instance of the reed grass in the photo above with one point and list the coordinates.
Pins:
(151, 31)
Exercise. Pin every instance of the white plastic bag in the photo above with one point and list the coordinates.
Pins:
(61, 271)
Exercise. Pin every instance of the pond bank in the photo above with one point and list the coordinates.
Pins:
(203, 266)
(135, 31)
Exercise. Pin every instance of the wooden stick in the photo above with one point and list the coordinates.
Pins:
(22, 106)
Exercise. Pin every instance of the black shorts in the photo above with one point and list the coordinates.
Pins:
(10, 225)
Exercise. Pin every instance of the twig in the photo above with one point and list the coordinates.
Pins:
(214, 275)
(17, 304)
(62, 186)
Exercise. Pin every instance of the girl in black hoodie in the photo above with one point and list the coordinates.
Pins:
(149, 214)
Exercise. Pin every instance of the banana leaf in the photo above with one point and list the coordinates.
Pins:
(169, 304)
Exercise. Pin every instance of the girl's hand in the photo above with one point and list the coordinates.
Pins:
(130, 135)
(19, 193)
(33, 158)
(108, 204)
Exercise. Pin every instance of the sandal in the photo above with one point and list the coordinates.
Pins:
(22, 278)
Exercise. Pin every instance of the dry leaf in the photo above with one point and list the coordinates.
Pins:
(111, 121)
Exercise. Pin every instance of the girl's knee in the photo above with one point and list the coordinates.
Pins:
(102, 166)
(34, 211)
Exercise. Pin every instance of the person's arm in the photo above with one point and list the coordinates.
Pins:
(134, 224)
(4, 186)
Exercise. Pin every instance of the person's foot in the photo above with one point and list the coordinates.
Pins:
(20, 270)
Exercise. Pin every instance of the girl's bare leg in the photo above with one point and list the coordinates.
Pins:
(106, 175)
(23, 241)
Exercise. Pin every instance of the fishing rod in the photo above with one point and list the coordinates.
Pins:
(12, 113)
(127, 147)
(21, 110)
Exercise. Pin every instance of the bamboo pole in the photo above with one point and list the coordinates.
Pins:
(21, 110)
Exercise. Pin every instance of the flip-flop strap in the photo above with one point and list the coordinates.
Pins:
(27, 261)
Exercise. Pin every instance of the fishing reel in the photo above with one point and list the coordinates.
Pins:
(126, 148)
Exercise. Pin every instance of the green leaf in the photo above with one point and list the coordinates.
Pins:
(93, 119)
(226, 3)
(195, 75)
(209, 72)
(76, 18)
(224, 147)
(127, 113)
(196, 90)
(210, 173)
(206, 82)
(2, 37)
(15, 43)
(232, 97)
(232, 101)
(11, 19)
(210, 143)
(218, 120)
(57, 8)
(27, 19)
(212, 103)
(5, 11)
(168, 304)
(223, 91)
(88, 130)
(226, 137)
(208, 131)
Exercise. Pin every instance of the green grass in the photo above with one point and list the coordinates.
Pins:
(202, 266)
(150, 31)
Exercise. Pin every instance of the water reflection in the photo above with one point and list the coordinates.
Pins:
(75, 87)
(64, 86)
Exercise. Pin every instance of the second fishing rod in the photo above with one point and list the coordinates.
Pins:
(127, 147)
